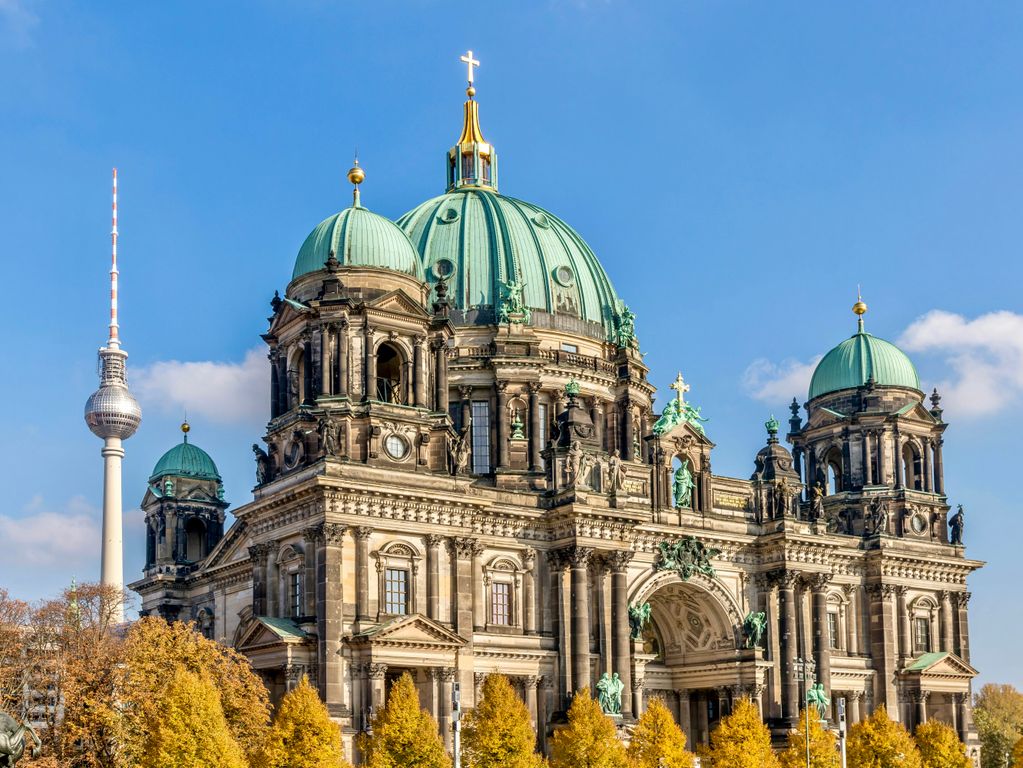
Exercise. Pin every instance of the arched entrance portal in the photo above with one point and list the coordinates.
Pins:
(691, 653)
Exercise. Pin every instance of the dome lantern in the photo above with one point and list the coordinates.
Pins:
(472, 162)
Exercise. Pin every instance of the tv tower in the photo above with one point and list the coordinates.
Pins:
(113, 414)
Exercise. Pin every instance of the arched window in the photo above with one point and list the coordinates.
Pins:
(195, 540)
(390, 374)
(291, 567)
(913, 466)
(834, 479)
(296, 378)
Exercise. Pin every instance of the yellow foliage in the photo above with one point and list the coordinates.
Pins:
(940, 747)
(741, 740)
(188, 729)
(657, 741)
(823, 750)
(404, 735)
(1016, 758)
(154, 649)
(303, 735)
(589, 740)
(498, 733)
(879, 742)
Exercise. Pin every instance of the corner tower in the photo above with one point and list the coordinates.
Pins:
(113, 414)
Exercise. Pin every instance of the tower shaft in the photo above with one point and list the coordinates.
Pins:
(112, 566)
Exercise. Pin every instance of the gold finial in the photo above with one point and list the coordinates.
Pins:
(356, 175)
(859, 308)
(185, 429)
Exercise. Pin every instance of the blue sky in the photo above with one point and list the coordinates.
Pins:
(738, 167)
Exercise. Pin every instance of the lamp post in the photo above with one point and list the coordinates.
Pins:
(456, 717)
(841, 728)
(805, 675)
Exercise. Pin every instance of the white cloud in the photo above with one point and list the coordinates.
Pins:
(221, 392)
(984, 357)
(41, 535)
(17, 20)
(778, 382)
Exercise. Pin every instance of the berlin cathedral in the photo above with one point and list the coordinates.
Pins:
(462, 473)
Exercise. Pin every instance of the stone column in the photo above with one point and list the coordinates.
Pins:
(621, 641)
(628, 430)
(868, 465)
(882, 467)
(579, 559)
(502, 424)
(275, 385)
(821, 644)
(362, 534)
(597, 417)
(637, 696)
(852, 618)
(945, 615)
(447, 676)
(341, 365)
(479, 598)
(939, 467)
(544, 684)
(307, 359)
(370, 367)
(459, 553)
(325, 367)
(529, 684)
(329, 538)
(787, 607)
(433, 576)
(897, 449)
(853, 712)
(377, 674)
(466, 393)
(683, 717)
(273, 580)
(433, 703)
(535, 428)
(419, 371)
(882, 647)
(962, 626)
(961, 714)
(928, 485)
(257, 556)
(529, 592)
(309, 571)
(920, 700)
(283, 382)
(905, 638)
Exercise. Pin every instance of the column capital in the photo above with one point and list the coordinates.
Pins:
(534, 387)
(901, 590)
(447, 674)
(556, 559)
(529, 557)
(376, 671)
(578, 557)
(433, 540)
(461, 546)
(817, 581)
(501, 387)
(786, 579)
(619, 559)
(362, 532)
(332, 534)
(962, 599)
(465, 392)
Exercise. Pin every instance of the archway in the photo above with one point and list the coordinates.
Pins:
(390, 384)
(913, 466)
(833, 473)
(195, 540)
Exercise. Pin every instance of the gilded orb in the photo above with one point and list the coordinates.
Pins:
(356, 175)
(185, 427)
(860, 308)
(470, 91)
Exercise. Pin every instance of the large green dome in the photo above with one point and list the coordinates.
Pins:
(858, 359)
(185, 460)
(358, 238)
(478, 240)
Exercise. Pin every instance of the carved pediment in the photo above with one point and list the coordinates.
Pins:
(683, 437)
(260, 632)
(916, 412)
(415, 631)
(289, 312)
(943, 665)
(400, 303)
(824, 417)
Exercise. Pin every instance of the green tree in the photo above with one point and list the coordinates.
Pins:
(658, 742)
(823, 752)
(589, 740)
(939, 746)
(879, 742)
(741, 740)
(404, 734)
(186, 727)
(302, 734)
(497, 733)
(998, 715)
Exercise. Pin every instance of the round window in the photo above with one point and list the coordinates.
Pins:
(443, 268)
(918, 523)
(564, 275)
(448, 216)
(542, 221)
(396, 447)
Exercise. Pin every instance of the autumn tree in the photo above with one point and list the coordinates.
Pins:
(823, 751)
(741, 740)
(154, 650)
(880, 742)
(940, 746)
(1016, 756)
(998, 715)
(404, 735)
(657, 741)
(589, 740)
(303, 735)
(14, 661)
(498, 733)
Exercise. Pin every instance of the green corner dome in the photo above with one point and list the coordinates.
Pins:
(478, 240)
(186, 460)
(358, 238)
(858, 359)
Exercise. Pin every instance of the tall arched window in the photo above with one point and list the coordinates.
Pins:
(833, 462)
(390, 384)
(195, 540)
(913, 466)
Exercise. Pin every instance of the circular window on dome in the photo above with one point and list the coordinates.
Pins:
(448, 216)
(443, 268)
(564, 275)
(542, 221)
(396, 447)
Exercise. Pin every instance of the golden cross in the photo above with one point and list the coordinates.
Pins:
(471, 62)
(680, 386)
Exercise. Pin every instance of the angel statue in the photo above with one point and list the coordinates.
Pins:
(682, 486)
(753, 627)
(639, 617)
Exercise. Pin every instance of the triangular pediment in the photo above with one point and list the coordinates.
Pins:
(916, 411)
(400, 303)
(233, 547)
(823, 417)
(684, 436)
(264, 631)
(411, 631)
(289, 311)
(941, 665)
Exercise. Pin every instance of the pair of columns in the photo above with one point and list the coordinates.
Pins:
(786, 582)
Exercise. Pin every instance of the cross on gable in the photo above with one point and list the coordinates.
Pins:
(680, 387)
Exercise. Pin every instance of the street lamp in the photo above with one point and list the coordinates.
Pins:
(805, 675)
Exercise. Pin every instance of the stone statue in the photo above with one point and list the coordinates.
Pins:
(573, 462)
(585, 470)
(955, 524)
(615, 472)
(818, 697)
(326, 428)
(13, 741)
(639, 617)
(458, 451)
(817, 502)
(262, 465)
(686, 556)
(782, 497)
(609, 694)
(878, 516)
(753, 627)
(682, 486)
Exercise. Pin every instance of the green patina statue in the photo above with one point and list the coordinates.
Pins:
(625, 327)
(687, 557)
(682, 485)
(14, 738)
(679, 412)
(512, 308)
(572, 388)
(609, 693)
(753, 627)
(818, 697)
(639, 617)
(517, 428)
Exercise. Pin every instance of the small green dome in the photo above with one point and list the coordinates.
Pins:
(858, 359)
(358, 238)
(478, 240)
(186, 460)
